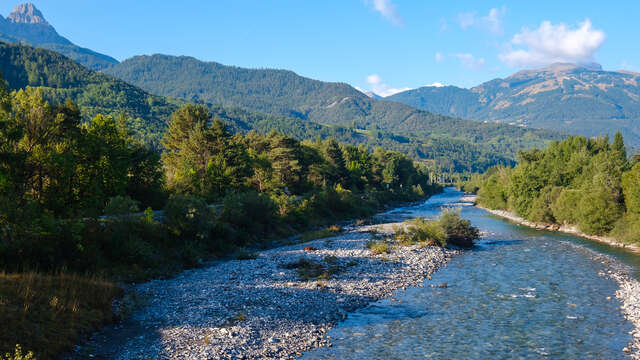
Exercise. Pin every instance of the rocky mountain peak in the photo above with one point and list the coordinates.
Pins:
(27, 14)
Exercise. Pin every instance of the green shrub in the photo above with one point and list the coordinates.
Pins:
(565, 207)
(189, 217)
(627, 229)
(598, 212)
(254, 216)
(120, 205)
(421, 231)
(448, 228)
(378, 247)
(459, 231)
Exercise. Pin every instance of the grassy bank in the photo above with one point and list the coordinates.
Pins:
(46, 314)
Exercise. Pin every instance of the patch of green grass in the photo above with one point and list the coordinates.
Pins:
(378, 247)
(47, 314)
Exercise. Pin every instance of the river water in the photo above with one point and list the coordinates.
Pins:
(519, 294)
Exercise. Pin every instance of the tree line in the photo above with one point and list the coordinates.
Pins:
(59, 174)
(589, 183)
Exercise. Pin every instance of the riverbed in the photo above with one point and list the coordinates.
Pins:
(521, 293)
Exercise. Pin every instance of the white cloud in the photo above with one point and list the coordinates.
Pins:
(387, 9)
(439, 57)
(494, 19)
(466, 20)
(435, 84)
(469, 61)
(553, 43)
(380, 88)
(491, 22)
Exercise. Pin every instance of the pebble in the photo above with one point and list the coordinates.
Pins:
(260, 308)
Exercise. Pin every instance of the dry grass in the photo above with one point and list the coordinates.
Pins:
(378, 247)
(47, 314)
(330, 231)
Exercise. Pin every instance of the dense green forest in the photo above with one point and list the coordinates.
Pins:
(59, 78)
(219, 191)
(56, 169)
(589, 183)
(284, 93)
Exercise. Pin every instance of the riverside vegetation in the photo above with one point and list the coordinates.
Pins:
(588, 183)
(220, 192)
(449, 228)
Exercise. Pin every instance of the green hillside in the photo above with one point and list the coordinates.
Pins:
(450, 145)
(285, 93)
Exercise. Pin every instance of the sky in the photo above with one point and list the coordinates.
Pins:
(380, 45)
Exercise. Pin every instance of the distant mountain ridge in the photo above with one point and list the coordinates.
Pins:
(283, 92)
(59, 78)
(581, 99)
(27, 24)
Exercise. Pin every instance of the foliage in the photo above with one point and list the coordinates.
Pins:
(18, 355)
(378, 247)
(448, 228)
(48, 313)
(306, 108)
(585, 182)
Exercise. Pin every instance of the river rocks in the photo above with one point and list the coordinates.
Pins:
(263, 308)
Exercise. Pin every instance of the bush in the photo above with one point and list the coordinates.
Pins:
(458, 231)
(598, 212)
(121, 205)
(448, 228)
(565, 207)
(189, 217)
(421, 231)
(378, 247)
(627, 229)
(254, 216)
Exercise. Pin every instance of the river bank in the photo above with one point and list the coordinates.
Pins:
(264, 307)
(561, 228)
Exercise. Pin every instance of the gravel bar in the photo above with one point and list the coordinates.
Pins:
(262, 308)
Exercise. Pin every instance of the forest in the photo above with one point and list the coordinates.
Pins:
(86, 198)
(588, 183)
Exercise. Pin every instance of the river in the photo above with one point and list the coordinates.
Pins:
(519, 294)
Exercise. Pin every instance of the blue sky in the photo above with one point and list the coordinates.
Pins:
(384, 45)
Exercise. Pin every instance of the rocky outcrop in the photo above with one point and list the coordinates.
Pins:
(27, 14)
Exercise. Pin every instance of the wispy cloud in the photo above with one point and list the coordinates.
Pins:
(553, 43)
(380, 88)
(469, 61)
(387, 9)
(493, 21)
(439, 57)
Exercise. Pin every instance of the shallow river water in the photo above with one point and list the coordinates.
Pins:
(521, 293)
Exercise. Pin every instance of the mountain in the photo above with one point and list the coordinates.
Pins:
(60, 78)
(26, 24)
(283, 92)
(579, 99)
